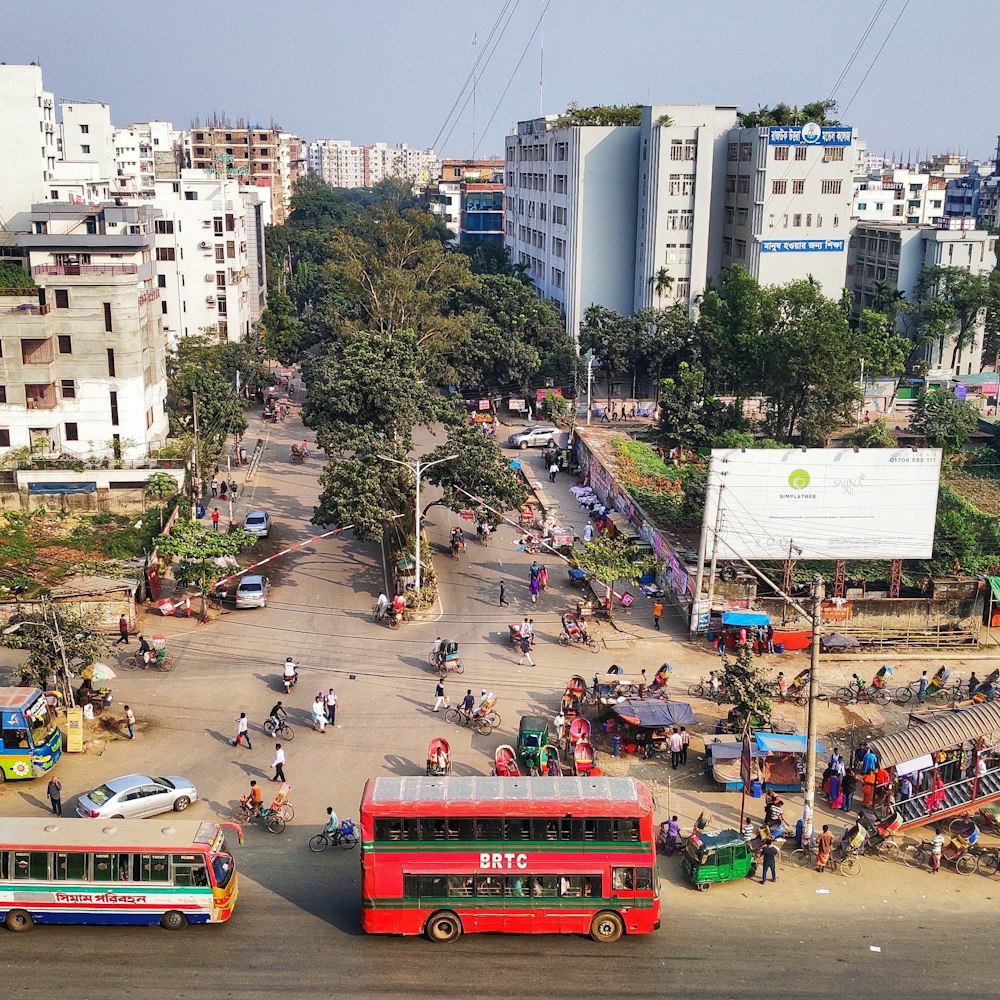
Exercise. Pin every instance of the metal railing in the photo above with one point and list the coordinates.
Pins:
(70, 270)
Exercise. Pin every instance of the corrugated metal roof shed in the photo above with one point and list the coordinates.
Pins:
(963, 724)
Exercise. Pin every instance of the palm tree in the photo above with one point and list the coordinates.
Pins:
(662, 283)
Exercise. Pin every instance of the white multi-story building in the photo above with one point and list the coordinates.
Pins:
(899, 195)
(203, 259)
(787, 200)
(79, 183)
(83, 370)
(682, 163)
(258, 217)
(570, 213)
(144, 153)
(342, 164)
(894, 254)
(87, 135)
(28, 146)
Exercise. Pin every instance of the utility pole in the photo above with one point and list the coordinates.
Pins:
(590, 382)
(810, 797)
(861, 405)
(196, 463)
(58, 643)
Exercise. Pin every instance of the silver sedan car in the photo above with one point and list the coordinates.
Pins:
(137, 795)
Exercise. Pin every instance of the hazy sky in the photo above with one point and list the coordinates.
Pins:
(390, 70)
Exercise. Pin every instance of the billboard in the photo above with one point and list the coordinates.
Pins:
(810, 134)
(823, 503)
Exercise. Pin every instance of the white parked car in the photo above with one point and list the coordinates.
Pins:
(536, 436)
(137, 795)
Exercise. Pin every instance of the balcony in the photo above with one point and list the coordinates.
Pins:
(149, 295)
(37, 351)
(41, 396)
(27, 309)
(74, 270)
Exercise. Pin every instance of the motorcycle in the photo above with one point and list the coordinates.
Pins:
(289, 680)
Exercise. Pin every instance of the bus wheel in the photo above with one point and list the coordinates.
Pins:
(173, 920)
(18, 920)
(607, 927)
(444, 927)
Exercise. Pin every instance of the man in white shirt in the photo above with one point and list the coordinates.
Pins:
(676, 747)
(243, 731)
(331, 707)
(588, 532)
(278, 763)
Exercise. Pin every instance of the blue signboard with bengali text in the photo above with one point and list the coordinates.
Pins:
(802, 246)
(809, 134)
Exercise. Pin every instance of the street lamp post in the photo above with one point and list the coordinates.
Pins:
(417, 468)
(590, 380)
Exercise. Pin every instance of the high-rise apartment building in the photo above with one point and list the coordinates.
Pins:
(83, 367)
(448, 198)
(342, 164)
(28, 147)
(894, 254)
(262, 157)
(787, 198)
(899, 195)
(144, 153)
(570, 212)
(204, 268)
(87, 135)
(682, 163)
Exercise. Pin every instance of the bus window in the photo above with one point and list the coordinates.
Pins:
(592, 885)
(514, 886)
(388, 829)
(15, 739)
(461, 828)
(544, 829)
(31, 865)
(644, 879)
(518, 829)
(222, 869)
(412, 829)
(605, 829)
(432, 829)
(70, 866)
(424, 885)
(461, 885)
(189, 869)
(544, 885)
(488, 885)
(4, 865)
(489, 828)
(626, 830)
(570, 885)
(622, 879)
(111, 868)
(589, 829)
(154, 868)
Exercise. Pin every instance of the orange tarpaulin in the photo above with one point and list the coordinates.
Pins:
(792, 640)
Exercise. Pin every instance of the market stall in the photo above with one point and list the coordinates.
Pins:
(647, 722)
(776, 761)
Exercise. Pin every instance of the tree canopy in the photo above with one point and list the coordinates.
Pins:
(945, 421)
(602, 114)
(82, 643)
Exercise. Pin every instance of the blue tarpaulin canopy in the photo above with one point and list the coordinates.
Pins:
(59, 489)
(783, 743)
(745, 618)
(655, 713)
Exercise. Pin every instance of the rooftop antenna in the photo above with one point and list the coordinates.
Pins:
(541, 62)
(475, 66)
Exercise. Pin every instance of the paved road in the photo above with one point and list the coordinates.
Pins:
(296, 929)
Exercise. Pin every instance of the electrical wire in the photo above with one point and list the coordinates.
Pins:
(877, 54)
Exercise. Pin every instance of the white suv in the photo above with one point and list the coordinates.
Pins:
(538, 436)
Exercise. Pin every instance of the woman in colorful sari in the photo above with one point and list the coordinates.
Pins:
(935, 800)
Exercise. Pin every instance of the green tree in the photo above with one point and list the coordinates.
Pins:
(366, 392)
(194, 368)
(610, 114)
(35, 631)
(873, 435)
(951, 302)
(493, 259)
(682, 405)
(161, 486)
(614, 340)
(555, 407)
(747, 687)
(283, 333)
(365, 492)
(316, 205)
(479, 468)
(945, 421)
(195, 548)
(609, 560)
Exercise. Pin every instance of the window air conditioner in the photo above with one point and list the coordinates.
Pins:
(210, 300)
(210, 277)
(205, 245)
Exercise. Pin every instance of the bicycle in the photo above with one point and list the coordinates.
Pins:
(919, 856)
(483, 724)
(278, 727)
(703, 690)
(950, 692)
(272, 820)
(847, 863)
(162, 661)
(344, 836)
(851, 694)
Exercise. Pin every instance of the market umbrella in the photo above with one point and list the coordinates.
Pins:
(98, 672)
(835, 642)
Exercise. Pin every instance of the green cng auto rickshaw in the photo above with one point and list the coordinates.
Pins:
(717, 857)
(531, 737)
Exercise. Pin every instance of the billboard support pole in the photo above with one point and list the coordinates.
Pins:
(702, 550)
(715, 549)
(810, 796)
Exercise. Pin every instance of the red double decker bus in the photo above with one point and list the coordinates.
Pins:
(525, 855)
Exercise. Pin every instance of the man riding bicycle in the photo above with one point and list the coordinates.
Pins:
(332, 827)
(255, 800)
(277, 715)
